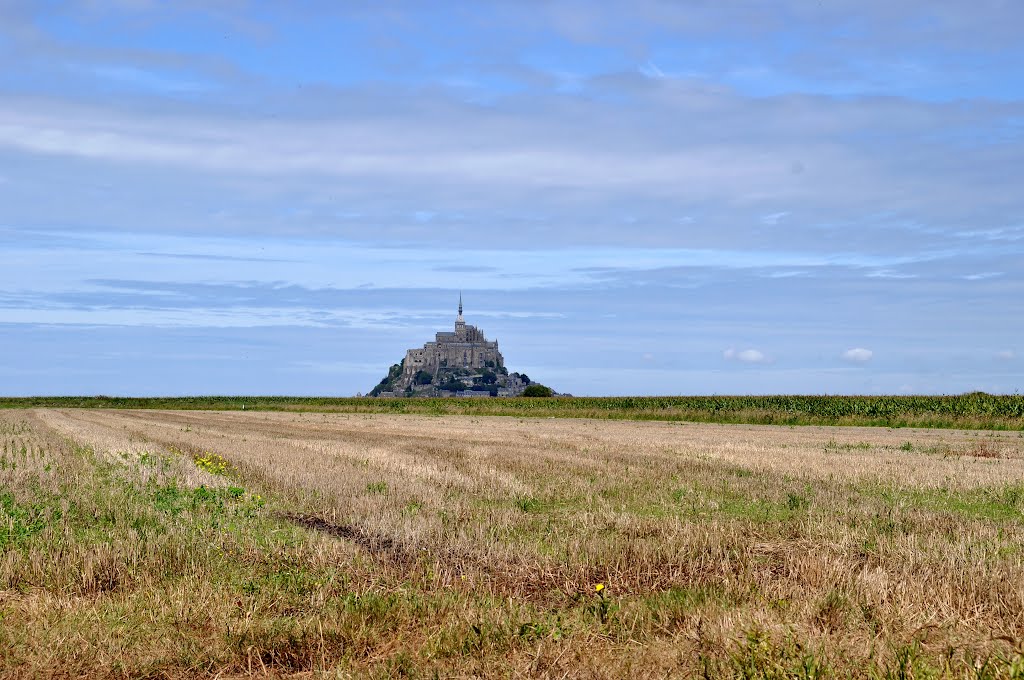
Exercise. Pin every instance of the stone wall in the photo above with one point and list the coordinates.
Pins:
(467, 347)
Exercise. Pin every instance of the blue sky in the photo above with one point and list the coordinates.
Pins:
(645, 197)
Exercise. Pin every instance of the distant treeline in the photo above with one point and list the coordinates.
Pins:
(975, 410)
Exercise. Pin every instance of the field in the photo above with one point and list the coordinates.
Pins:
(208, 543)
(975, 410)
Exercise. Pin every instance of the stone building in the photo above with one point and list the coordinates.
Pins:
(461, 362)
(465, 348)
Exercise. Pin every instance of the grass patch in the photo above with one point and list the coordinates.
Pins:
(1001, 504)
(19, 522)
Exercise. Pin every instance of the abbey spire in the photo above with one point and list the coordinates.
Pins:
(460, 323)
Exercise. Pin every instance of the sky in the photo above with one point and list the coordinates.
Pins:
(642, 197)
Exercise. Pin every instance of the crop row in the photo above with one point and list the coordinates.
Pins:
(977, 409)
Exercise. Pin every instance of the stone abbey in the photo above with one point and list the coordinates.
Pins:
(465, 348)
(462, 362)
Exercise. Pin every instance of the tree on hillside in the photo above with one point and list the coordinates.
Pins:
(387, 383)
(453, 385)
(538, 390)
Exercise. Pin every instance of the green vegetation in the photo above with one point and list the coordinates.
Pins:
(976, 410)
(453, 384)
(211, 462)
(538, 390)
(387, 384)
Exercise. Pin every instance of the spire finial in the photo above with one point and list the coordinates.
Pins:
(459, 318)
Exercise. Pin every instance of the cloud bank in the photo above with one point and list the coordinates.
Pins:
(746, 356)
(858, 355)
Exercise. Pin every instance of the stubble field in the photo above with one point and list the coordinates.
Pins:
(182, 544)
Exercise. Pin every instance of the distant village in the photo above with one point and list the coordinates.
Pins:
(459, 363)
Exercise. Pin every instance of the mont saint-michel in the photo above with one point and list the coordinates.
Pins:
(461, 363)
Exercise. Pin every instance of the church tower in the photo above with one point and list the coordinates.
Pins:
(460, 323)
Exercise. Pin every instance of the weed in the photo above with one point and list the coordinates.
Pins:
(796, 502)
(833, 611)
(212, 463)
(603, 606)
(25, 520)
(527, 504)
(377, 487)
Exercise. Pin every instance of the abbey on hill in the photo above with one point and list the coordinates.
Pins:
(462, 363)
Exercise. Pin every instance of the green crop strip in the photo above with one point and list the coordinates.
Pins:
(973, 411)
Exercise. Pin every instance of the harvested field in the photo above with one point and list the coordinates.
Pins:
(181, 544)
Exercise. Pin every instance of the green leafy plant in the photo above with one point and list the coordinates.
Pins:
(212, 463)
(377, 487)
(538, 390)
(603, 605)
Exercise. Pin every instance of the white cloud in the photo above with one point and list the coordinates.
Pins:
(747, 356)
(578, 147)
(467, 151)
(889, 274)
(651, 70)
(209, 317)
(774, 218)
(858, 355)
(1006, 355)
(787, 274)
(147, 78)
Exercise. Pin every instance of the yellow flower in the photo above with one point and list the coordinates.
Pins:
(599, 587)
